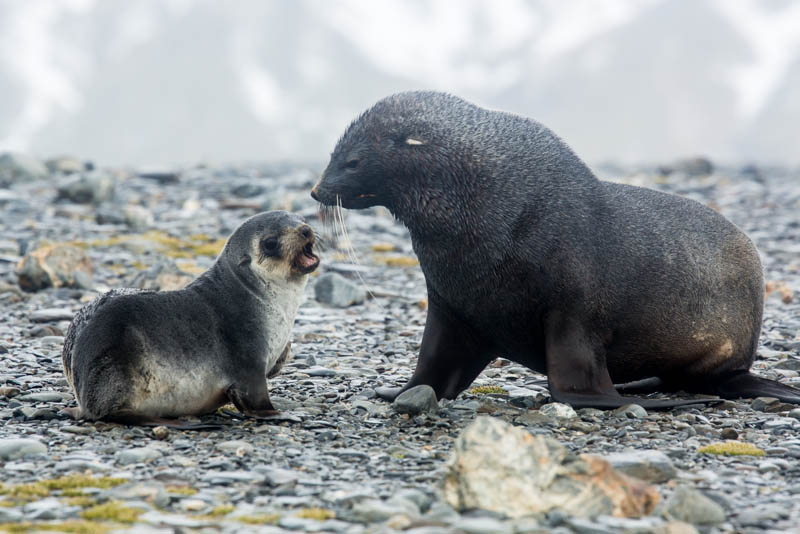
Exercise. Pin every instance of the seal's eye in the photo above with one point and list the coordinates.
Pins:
(351, 164)
(269, 246)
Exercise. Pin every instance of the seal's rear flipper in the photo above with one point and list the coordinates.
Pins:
(747, 385)
(611, 401)
(132, 419)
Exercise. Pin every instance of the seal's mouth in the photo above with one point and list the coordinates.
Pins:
(306, 261)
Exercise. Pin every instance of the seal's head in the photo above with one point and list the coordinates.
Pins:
(403, 153)
(274, 245)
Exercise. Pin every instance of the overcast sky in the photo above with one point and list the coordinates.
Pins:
(145, 81)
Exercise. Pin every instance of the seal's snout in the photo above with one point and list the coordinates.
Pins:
(314, 194)
(306, 231)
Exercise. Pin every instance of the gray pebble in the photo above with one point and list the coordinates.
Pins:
(14, 449)
(335, 290)
(689, 505)
(417, 400)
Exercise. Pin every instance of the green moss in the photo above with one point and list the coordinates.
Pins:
(732, 448)
(84, 501)
(259, 519)
(221, 510)
(68, 527)
(398, 261)
(488, 390)
(181, 490)
(320, 514)
(171, 246)
(26, 492)
(112, 511)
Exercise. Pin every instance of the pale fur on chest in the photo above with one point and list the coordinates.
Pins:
(281, 300)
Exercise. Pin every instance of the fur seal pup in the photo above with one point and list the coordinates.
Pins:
(136, 356)
(526, 254)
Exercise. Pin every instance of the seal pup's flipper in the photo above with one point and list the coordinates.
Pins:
(124, 417)
(253, 401)
(747, 385)
(451, 356)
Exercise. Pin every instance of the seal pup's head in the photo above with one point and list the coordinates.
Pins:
(273, 246)
(411, 152)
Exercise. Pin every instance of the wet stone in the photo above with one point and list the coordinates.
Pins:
(650, 465)
(137, 455)
(558, 410)
(14, 449)
(417, 400)
(335, 290)
(689, 505)
(633, 411)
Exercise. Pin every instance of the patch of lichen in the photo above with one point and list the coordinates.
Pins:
(82, 481)
(259, 519)
(25, 492)
(398, 261)
(112, 511)
(181, 490)
(174, 247)
(221, 510)
(84, 501)
(731, 448)
(320, 514)
(383, 247)
(488, 390)
(226, 407)
(68, 527)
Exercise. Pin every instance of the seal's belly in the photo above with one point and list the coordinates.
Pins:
(170, 390)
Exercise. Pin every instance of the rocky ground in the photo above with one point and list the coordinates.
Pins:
(339, 459)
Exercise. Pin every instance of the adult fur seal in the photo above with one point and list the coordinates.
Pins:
(526, 254)
(137, 356)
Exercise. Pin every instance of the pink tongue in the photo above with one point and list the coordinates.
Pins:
(305, 260)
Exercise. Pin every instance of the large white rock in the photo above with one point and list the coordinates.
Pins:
(502, 468)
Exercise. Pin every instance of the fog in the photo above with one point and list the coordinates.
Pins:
(181, 81)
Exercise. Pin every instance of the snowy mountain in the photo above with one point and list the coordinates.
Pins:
(157, 81)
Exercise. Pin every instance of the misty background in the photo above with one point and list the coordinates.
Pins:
(184, 81)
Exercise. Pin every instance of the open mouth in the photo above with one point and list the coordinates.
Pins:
(306, 261)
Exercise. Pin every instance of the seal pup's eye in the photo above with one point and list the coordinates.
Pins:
(269, 246)
(351, 164)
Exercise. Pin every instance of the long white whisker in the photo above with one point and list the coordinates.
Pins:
(351, 251)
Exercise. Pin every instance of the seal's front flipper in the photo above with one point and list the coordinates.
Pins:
(747, 385)
(451, 356)
(253, 401)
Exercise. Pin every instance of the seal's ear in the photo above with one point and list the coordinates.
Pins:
(414, 141)
(245, 260)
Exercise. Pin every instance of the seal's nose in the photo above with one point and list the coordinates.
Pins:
(306, 231)
(314, 193)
